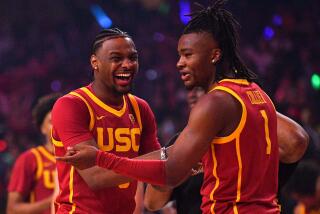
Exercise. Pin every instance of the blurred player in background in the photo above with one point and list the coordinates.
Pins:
(32, 179)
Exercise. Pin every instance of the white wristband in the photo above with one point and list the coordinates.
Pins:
(163, 153)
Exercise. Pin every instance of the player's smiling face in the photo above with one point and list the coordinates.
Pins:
(117, 64)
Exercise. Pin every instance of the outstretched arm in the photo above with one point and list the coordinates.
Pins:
(84, 159)
(292, 138)
(206, 120)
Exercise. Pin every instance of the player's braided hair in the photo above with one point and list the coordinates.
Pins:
(43, 107)
(222, 25)
(105, 34)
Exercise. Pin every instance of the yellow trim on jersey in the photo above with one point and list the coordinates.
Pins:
(32, 197)
(39, 163)
(238, 81)
(300, 208)
(237, 131)
(214, 172)
(88, 106)
(212, 207)
(47, 154)
(56, 142)
(71, 190)
(136, 109)
(118, 113)
(234, 135)
(240, 169)
(235, 208)
(73, 208)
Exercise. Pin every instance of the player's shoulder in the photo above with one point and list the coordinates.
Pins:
(214, 105)
(215, 97)
(68, 99)
(141, 102)
(26, 155)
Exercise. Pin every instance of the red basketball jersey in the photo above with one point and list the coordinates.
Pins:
(33, 175)
(127, 132)
(241, 170)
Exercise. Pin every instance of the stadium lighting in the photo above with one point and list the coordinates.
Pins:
(315, 81)
(102, 18)
(184, 10)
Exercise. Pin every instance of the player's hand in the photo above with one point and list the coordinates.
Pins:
(80, 156)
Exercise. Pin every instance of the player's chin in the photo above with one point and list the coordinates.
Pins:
(188, 85)
(124, 90)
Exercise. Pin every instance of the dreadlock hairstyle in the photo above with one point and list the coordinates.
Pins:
(222, 25)
(106, 34)
(43, 107)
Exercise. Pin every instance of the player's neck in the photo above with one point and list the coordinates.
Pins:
(48, 146)
(107, 96)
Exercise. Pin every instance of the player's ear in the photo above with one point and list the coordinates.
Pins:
(94, 62)
(216, 55)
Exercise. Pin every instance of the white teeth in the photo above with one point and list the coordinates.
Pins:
(123, 75)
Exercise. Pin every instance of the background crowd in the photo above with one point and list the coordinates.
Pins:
(45, 47)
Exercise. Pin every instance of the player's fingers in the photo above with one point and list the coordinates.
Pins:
(71, 149)
(70, 153)
(67, 159)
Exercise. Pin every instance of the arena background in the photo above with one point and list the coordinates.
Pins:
(45, 47)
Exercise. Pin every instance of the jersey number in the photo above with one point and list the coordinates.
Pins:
(266, 131)
(48, 178)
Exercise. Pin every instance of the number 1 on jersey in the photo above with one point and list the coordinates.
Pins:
(266, 130)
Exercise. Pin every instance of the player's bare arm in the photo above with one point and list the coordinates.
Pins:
(208, 119)
(155, 199)
(292, 138)
(94, 176)
(83, 157)
(16, 204)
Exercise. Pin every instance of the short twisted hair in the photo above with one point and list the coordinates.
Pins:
(106, 34)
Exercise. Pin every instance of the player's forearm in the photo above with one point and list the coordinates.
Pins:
(97, 177)
(155, 199)
(146, 170)
(149, 171)
(29, 208)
